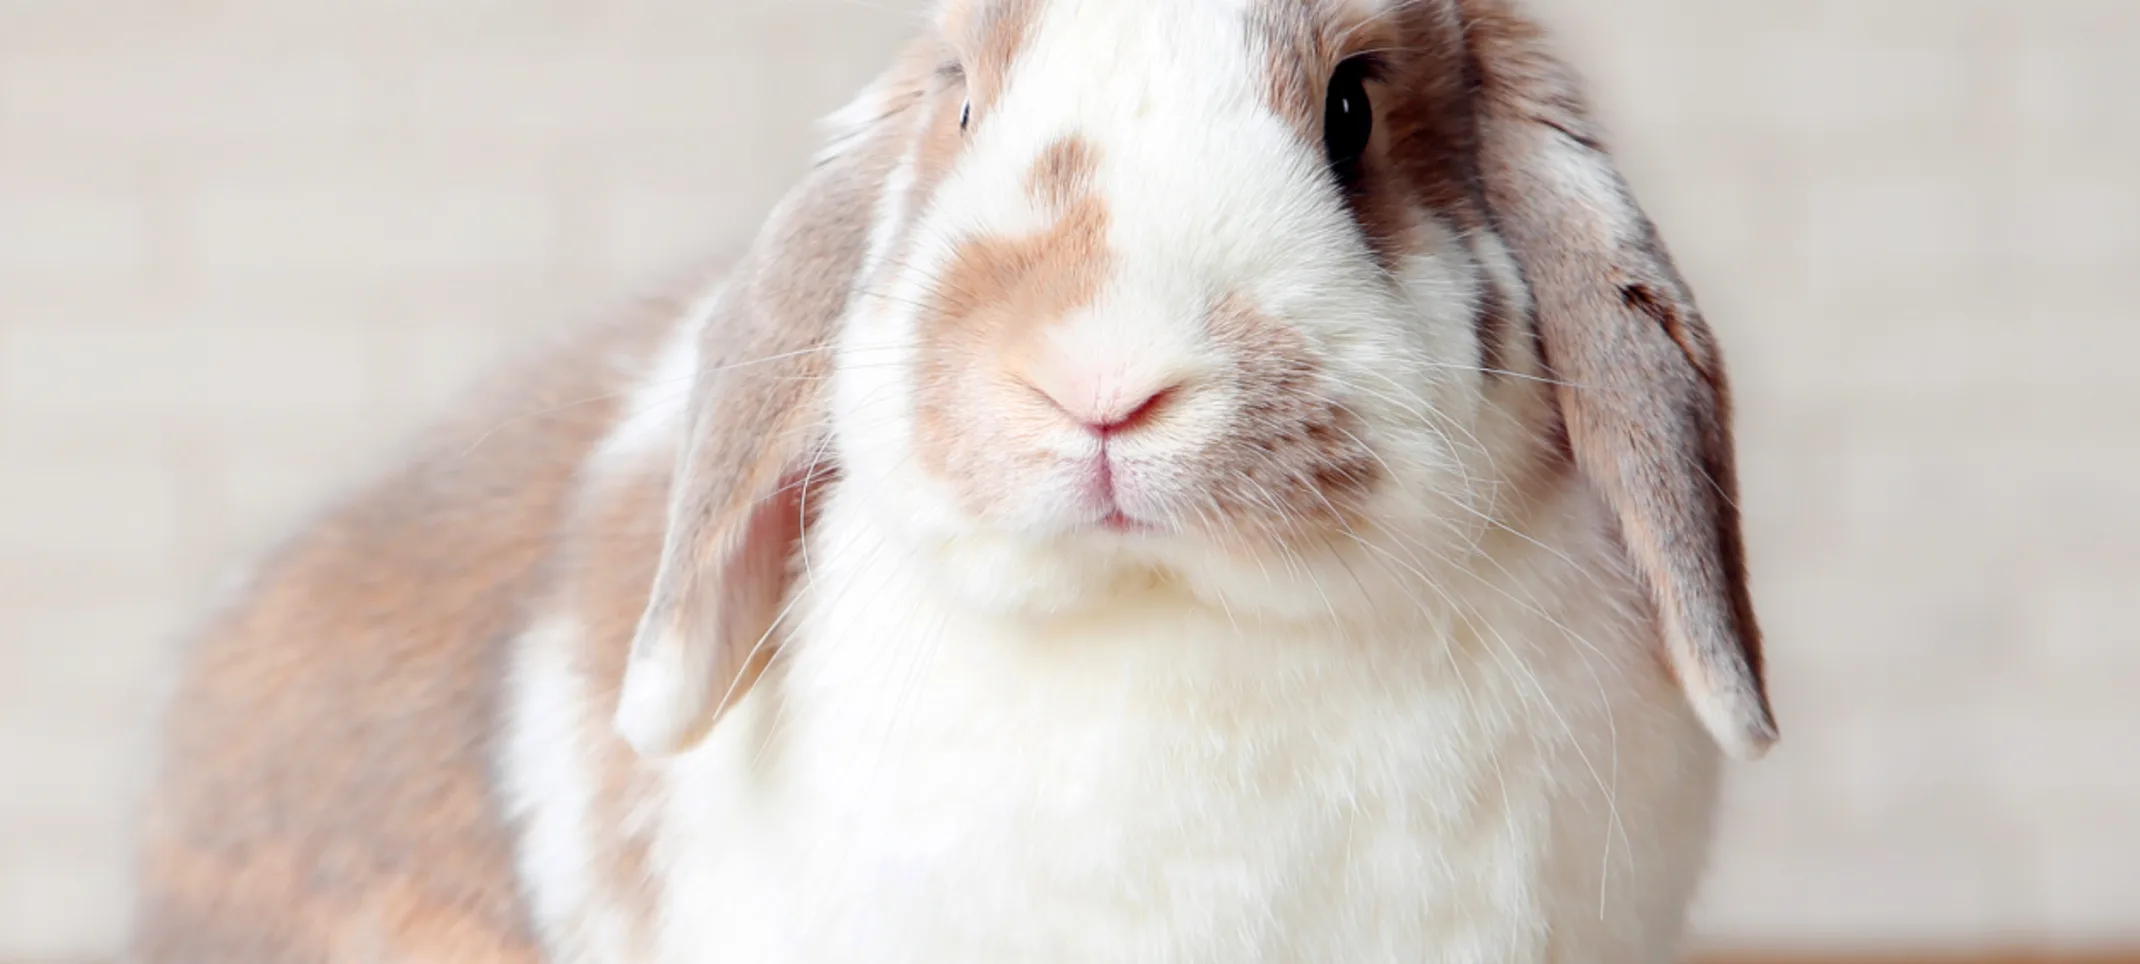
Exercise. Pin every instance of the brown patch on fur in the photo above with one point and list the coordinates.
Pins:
(389, 919)
(326, 774)
(994, 303)
(1422, 159)
(1292, 458)
(1419, 161)
(1303, 42)
(1063, 175)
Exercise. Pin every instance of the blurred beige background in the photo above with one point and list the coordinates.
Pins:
(246, 244)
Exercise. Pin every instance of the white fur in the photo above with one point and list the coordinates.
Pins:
(1446, 738)
(1154, 783)
(548, 773)
(668, 680)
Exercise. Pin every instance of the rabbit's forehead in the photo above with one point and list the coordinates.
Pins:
(1184, 133)
(1173, 96)
(1131, 160)
(1269, 43)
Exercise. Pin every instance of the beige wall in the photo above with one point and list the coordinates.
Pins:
(243, 243)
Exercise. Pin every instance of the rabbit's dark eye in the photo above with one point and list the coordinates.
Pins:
(965, 115)
(1348, 119)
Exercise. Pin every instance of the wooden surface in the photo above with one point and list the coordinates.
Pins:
(1920, 957)
(1803, 957)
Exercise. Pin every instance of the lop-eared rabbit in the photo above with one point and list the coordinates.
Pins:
(1216, 481)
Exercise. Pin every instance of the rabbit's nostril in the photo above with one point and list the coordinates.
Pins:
(1138, 414)
(1122, 412)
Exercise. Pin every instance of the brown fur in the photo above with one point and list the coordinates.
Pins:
(994, 305)
(1064, 174)
(1293, 459)
(1302, 45)
(1302, 42)
(325, 786)
(1422, 159)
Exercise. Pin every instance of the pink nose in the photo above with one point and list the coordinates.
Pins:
(1119, 412)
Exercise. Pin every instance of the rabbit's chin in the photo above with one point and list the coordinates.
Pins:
(1011, 577)
(1006, 576)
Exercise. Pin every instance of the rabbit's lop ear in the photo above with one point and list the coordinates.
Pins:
(1642, 388)
(757, 444)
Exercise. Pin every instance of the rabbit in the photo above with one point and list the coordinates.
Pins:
(1177, 481)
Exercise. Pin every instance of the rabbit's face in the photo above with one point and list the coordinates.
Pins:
(1191, 290)
(1288, 305)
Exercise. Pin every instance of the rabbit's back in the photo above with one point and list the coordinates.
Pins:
(325, 790)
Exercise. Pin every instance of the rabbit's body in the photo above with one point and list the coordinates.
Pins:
(1268, 501)
(920, 781)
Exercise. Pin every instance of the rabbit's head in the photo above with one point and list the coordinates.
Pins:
(1283, 305)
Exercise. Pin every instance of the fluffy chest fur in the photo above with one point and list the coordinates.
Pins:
(920, 783)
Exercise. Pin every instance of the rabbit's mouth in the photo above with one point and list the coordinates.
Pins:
(1118, 521)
